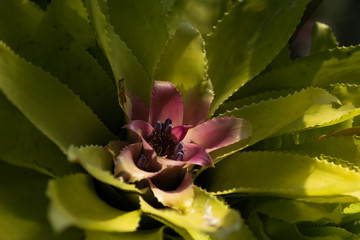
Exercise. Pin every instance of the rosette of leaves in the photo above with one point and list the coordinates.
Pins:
(67, 75)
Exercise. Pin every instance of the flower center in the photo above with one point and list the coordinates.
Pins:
(162, 141)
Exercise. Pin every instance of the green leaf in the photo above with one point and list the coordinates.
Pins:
(48, 104)
(99, 163)
(73, 16)
(28, 16)
(322, 38)
(23, 206)
(207, 218)
(24, 145)
(332, 232)
(124, 64)
(141, 25)
(293, 211)
(74, 201)
(202, 14)
(138, 235)
(183, 61)
(238, 103)
(311, 107)
(346, 148)
(339, 65)
(46, 43)
(284, 174)
(247, 32)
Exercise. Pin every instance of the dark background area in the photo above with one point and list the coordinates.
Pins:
(344, 18)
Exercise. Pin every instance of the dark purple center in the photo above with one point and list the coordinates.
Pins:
(163, 143)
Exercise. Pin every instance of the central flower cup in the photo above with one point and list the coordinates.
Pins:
(167, 142)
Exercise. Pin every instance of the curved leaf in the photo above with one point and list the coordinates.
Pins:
(73, 16)
(124, 64)
(46, 43)
(292, 211)
(207, 217)
(24, 145)
(322, 38)
(75, 202)
(99, 163)
(23, 206)
(48, 104)
(246, 54)
(311, 107)
(284, 174)
(183, 61)
(338, 65)
(137, 20)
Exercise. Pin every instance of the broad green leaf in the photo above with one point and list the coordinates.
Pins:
(202, 14)
(283, 174)
(74, 201)
(322, 38)
(311, 107)
(242, 44)
(207, 218)
(46, 44)
(24, 145)
(124, 64)
(183, 61)
(138, 235)
(293, 211)
(347, 148)
(48, 104)
(23, 206)
(321, 69)
(99, 163)
(73, 16)
(141, 25)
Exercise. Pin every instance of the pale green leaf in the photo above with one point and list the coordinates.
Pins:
(207, 218)
(48, 104)
(23, 206)
(141, 25)
(202, 14)
(73, 16)
(124, 64)
(24, 145)
(283, 174)
(183, 61)
(242, 44)
(156, 234)
(46, 43)
(99, 163)
(311, 107)
(339, 65)
(322, 38)
(74, 201)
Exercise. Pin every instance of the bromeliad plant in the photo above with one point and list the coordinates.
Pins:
(172, 119)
